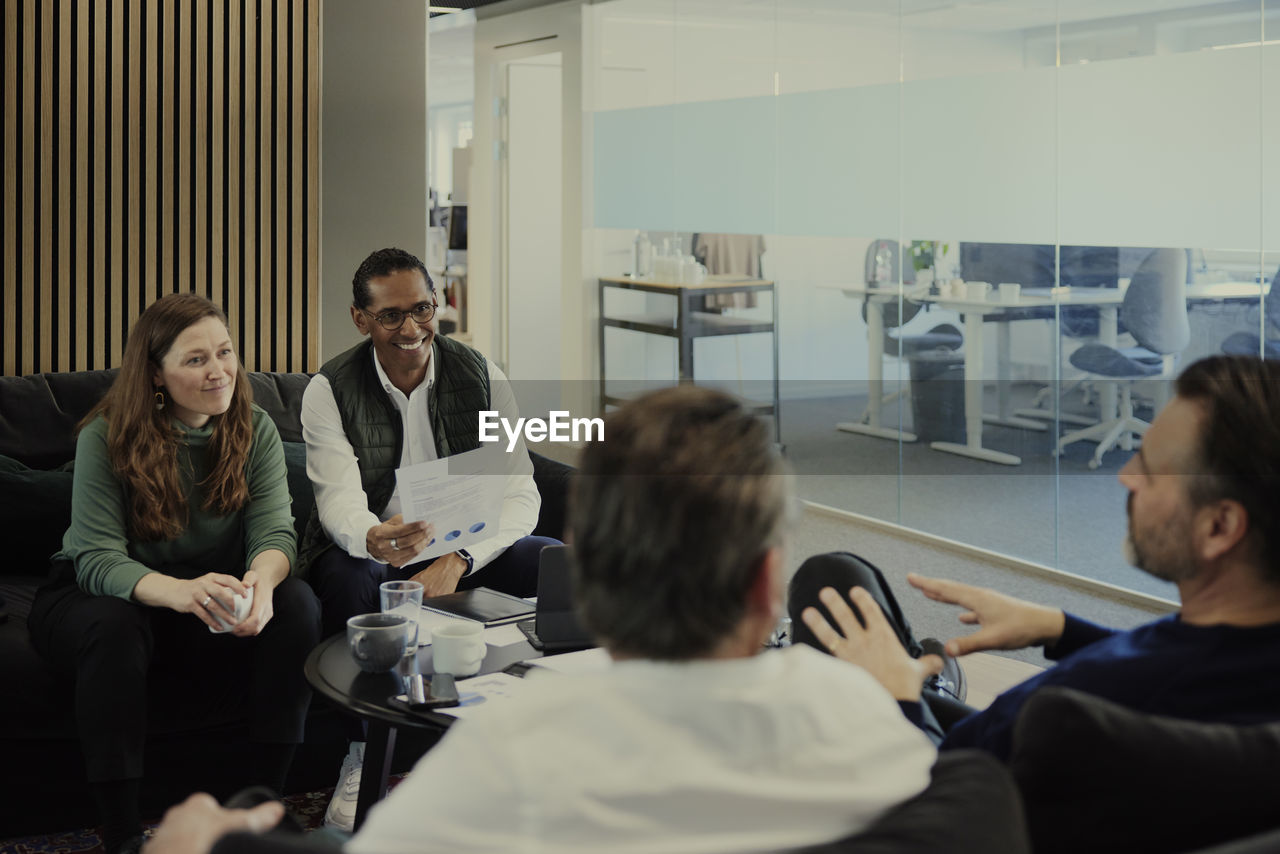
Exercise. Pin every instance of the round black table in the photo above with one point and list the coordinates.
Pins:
(334, 674)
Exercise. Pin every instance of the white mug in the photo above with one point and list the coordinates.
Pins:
(457, 648)
(977, 290)
(1010, 291)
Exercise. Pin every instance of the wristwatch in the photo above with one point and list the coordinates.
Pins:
(466, 555)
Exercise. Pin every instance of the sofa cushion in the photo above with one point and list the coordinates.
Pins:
(281, 396)
(36, 509)
(39, 414)
(302, 496)
(1096, 776)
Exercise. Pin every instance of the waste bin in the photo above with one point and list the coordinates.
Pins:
(937, 396)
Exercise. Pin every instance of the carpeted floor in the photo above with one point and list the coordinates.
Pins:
(308, 808)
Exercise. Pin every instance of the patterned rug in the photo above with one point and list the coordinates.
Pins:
(308, 808)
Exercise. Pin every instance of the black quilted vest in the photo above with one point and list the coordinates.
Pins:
(376, 431)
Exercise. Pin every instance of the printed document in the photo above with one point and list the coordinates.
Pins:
(461, 496)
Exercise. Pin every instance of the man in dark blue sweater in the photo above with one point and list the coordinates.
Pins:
(1204, 513)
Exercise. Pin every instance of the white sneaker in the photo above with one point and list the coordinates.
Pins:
(342, 808)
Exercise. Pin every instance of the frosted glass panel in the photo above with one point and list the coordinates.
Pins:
(1037, 142)
(633, 187)
(978, 154)
(838, 164)
(1162, 151)
(1271, 149)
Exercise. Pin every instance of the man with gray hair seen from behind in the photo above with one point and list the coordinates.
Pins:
(693, 739)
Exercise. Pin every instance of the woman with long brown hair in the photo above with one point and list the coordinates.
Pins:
(179, 513)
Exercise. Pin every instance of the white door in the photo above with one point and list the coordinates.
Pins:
(532, 279)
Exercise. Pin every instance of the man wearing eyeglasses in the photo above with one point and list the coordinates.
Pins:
(403, 396)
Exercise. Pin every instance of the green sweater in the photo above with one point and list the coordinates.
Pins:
(108, 564)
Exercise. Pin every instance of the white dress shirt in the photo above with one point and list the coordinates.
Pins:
(783, 750)
(335, 475)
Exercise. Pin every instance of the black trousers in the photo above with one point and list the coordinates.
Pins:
(348, 585)
(842, 571)
(128, 661)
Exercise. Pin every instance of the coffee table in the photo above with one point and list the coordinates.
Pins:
(334, 674)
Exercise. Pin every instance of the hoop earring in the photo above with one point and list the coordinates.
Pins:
(159, 400)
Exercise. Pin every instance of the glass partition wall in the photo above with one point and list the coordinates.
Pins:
(965, 209)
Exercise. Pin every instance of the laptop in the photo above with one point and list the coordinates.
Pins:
(555, 626)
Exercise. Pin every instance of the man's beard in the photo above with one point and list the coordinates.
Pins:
(1175, 567)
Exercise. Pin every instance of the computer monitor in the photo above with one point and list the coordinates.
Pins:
(1028, 264)
(1032, 264)
(458, 228)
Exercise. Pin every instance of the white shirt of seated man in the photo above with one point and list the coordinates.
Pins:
(756, 752)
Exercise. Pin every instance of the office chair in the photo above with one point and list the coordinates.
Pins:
(1155, 312)
(1253, 344)
(897, 313)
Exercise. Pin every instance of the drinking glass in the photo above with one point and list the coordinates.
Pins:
(403, 597)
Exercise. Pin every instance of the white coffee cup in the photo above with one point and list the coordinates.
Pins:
(977, 290)
(1010, 291)
(457, 648)
(242, 604)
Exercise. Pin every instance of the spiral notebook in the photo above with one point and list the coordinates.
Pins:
(482, 605)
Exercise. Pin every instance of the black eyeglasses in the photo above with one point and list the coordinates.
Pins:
(393, 318)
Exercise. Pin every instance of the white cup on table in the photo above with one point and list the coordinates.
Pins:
(977, 290)
(1010, 291)
(457, 648)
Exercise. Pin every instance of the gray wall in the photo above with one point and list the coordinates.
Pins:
(373, 176)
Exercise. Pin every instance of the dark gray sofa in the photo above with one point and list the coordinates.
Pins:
(192, 745)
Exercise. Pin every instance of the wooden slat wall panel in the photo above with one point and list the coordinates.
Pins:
(82, 240)
(134, 178)
(252, 228)
(280, 72)
(117, 226)
(200, 114)
(27, 135)
(98, 297)
(150, 239)
(45, 195)
(311, 183)
(64, 236)
(148, 148)
(9, 213)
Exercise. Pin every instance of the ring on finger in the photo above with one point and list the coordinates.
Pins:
(205, 603)
(394, 545)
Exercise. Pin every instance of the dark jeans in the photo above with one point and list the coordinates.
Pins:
(348, 585)
(842, 571)
(117, 652)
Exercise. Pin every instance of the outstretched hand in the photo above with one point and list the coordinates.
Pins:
(1005, 622)
(193, 826)
(874, 646)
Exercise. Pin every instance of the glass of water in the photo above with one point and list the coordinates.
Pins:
(403, 597)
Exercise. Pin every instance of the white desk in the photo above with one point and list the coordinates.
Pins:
(1106, 300)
